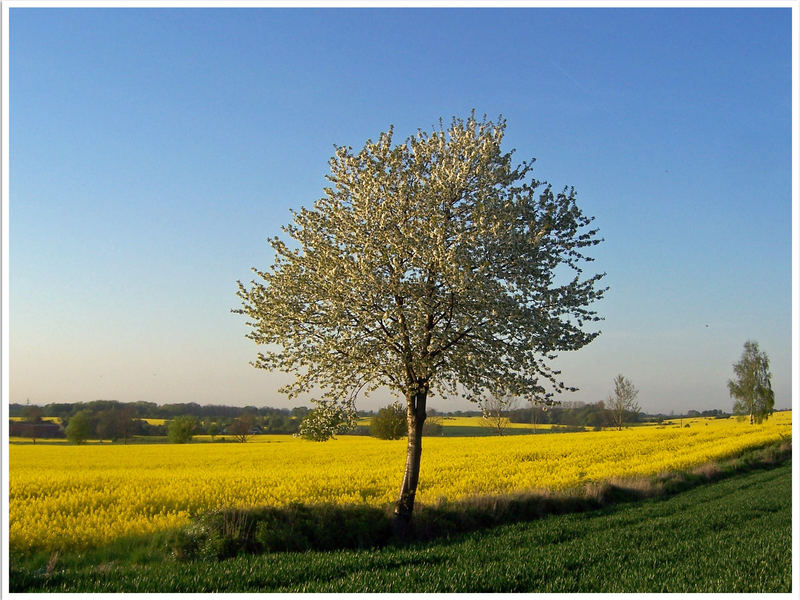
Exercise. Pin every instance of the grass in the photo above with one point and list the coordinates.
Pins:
(733, 535)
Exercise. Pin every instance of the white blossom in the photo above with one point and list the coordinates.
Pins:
(431, 264)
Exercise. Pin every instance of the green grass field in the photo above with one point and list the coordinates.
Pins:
(730, 536)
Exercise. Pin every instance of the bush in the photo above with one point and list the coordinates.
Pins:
(390, 423)
(181, 429)
(567, 428)
(294, 528)
(80, 427)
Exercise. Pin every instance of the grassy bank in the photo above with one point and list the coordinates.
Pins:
(732, 535)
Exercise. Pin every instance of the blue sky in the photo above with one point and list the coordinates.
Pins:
(153, 152)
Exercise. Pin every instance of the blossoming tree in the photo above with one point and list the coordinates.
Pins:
(430, 266)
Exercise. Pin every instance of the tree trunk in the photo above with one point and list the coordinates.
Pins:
(415, 417)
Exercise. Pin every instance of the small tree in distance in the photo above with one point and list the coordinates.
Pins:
(242, 426)
(32, 414)
(181, 429)
(622, 402)
(390, 423)
(495, 409)
(80, 427)
(115, 423)
(752, 386)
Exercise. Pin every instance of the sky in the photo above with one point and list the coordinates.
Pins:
(152, 152)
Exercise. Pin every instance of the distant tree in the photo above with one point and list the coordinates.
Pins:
(752, 385)
(431, 266)
(213, 430)
(390, 423)
(181, 429)
(144, 409)
(595, 415)
(116, 423)
(80, 427)
(495, 410)
(299, 411)
(280, 423)
(106, 425)
(538, 412)
(242, 426)
(325, 421)
(32, 414)
(127, 423)
(622, 403)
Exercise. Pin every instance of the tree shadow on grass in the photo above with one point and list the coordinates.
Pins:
(299, 527)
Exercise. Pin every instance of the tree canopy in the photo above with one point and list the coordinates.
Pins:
(80, 427)
(390, 422)
(181, 429)
(433, 265)
(752, 386)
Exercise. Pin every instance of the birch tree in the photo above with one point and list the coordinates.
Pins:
(752, 386)
(432, 266)
(623, 401)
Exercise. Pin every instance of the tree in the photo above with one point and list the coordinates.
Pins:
(623, 401)
(115, 423)
(32, 414)
(752, 387)
(431, 266)
(389, 423)
(181, 429)
(534, 408)
(495, 408)
(106, 425)
(80, 427)
(242, 426)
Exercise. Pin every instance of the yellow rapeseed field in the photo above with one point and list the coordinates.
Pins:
(471, 422)
(480, 422)
(52, 419)
(64, 496)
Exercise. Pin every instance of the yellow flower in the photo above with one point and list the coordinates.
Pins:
(64, 496)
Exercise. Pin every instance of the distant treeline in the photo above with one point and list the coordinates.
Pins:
(151, 410)
(578, 414)
(111, 419)
(282, 420)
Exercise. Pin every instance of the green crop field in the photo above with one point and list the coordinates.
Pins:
(730, 536)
